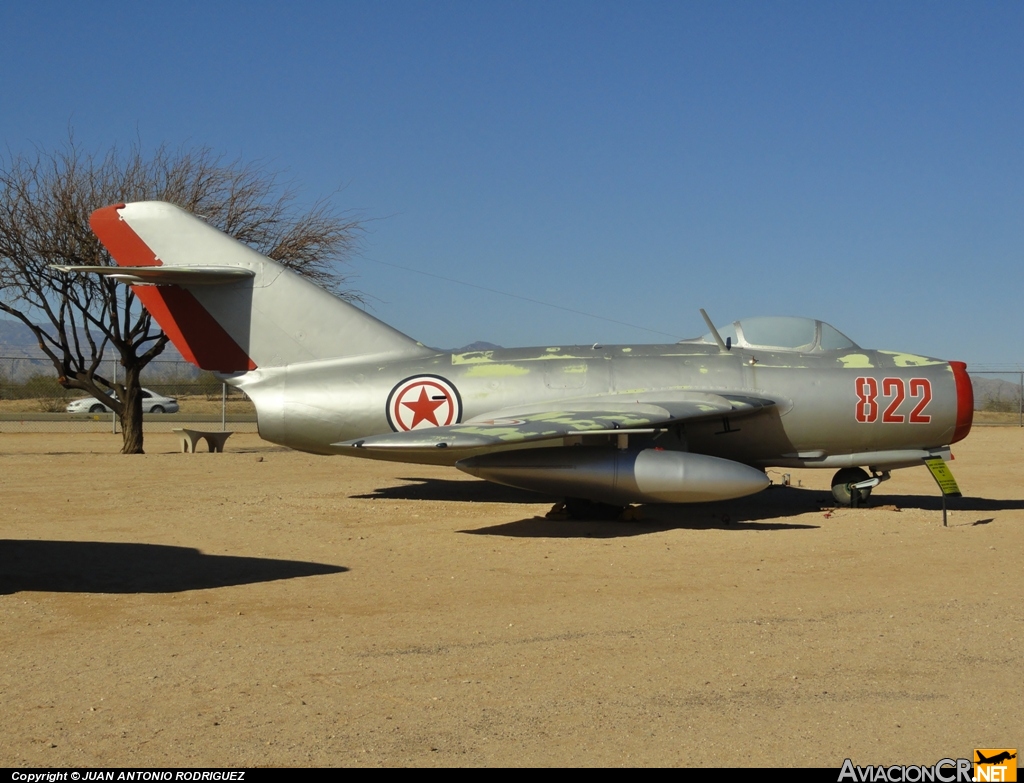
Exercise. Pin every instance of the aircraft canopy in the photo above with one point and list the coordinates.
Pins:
(782, 333)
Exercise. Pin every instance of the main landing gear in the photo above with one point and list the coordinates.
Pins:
(852, 486)
(580, 508)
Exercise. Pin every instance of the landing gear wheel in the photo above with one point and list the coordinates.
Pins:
(581, 508)
(841, 486)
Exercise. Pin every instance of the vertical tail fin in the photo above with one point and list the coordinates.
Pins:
(226, 307)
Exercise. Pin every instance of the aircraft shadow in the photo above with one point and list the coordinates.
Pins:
(476, 491)
(539, 527)
(106, 567)
(764, 511)
(934, 503)
(743, 514)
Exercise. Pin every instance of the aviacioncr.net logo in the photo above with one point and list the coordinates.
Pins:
(943, 771)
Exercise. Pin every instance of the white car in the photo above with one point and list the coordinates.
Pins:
(151, 403)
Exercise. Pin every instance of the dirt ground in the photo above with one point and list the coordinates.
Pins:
(265, 607)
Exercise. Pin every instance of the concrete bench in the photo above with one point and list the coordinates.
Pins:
(190, 439)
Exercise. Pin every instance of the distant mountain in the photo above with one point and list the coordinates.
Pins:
(995, 394)
(17, 340)
(479, 345)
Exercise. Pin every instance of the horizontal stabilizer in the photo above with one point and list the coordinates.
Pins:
(165, 275)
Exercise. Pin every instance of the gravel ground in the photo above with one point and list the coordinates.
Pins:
(266, 607)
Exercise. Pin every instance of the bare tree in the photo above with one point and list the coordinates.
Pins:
(45, 202)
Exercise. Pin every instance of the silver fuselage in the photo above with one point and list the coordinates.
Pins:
(832, 409)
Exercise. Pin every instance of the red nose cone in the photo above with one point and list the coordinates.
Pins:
(964, 401)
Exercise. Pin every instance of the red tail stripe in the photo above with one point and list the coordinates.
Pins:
(124, 245)
(194, 332)
(964, 401)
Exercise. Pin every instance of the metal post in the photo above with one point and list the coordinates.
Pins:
(113, 414)
(223, 407)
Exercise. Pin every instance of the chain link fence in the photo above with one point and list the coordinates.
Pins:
(998, 394)
(31, 400)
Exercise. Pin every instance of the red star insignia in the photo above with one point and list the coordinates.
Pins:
(423, 409)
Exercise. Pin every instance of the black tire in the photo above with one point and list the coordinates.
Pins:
(97, 408)
(581, 508)
(157, 409)
(841, 486)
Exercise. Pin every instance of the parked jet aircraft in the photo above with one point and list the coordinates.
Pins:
(693, 421)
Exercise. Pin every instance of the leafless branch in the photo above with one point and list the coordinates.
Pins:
(46, 199)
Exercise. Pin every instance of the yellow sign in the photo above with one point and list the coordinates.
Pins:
(995, 764)
(943, 476)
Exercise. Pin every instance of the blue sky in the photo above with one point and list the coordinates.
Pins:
(857, 162)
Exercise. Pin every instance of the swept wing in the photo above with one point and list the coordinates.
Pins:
(617, 414)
